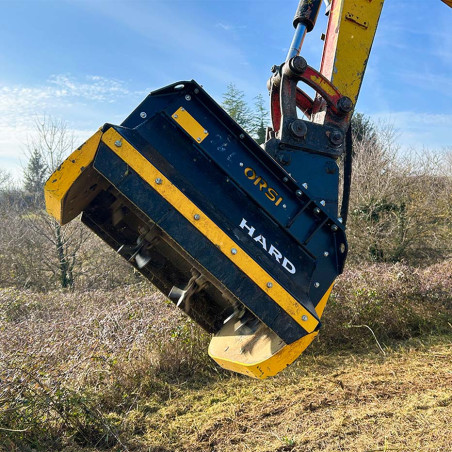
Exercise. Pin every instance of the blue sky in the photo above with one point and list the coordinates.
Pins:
(92, 61)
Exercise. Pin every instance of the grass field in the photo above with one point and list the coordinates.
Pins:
(124, 370)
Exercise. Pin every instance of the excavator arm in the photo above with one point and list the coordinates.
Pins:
(245, 239)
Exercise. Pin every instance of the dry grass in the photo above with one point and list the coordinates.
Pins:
(124, 370)
(68, 360)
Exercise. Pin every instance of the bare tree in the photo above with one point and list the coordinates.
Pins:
(46, 149)
(400, 201)
(5, 178)
(52, 141)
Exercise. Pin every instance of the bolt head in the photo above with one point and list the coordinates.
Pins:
(326, 253)
(269, 285)
(118, 143)
(285, 179)
(198, 139)
(196, 90)
(322, 202)
(340, 220)
(316, 210)
(241, 136)
(187, 97)
(345, 104)
(205, 132)
(304, 318)
(334, 227)
(305, 186)
(316, 285)
(196, 216)
(298, 64)
(241, 164)
(298, 192)
(336, 137)
(233, 251)
(158, 181)
(298, 128)
(143, 114)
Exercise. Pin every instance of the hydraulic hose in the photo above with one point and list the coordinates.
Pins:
(348, 158)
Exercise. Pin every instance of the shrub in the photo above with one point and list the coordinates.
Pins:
(395, 301)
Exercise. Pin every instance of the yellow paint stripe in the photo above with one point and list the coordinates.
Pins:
(322, 303)
(59, 183)
(190, 125)
(209, 229)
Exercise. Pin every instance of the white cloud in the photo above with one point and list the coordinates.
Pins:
(230, 27)
(19, 103)
(94, 87)
(82, 102)
(225, 27)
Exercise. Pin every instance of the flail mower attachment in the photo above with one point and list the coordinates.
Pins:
(245, 240)
(213, 221)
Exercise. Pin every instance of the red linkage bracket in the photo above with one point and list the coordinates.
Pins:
(286, 96)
